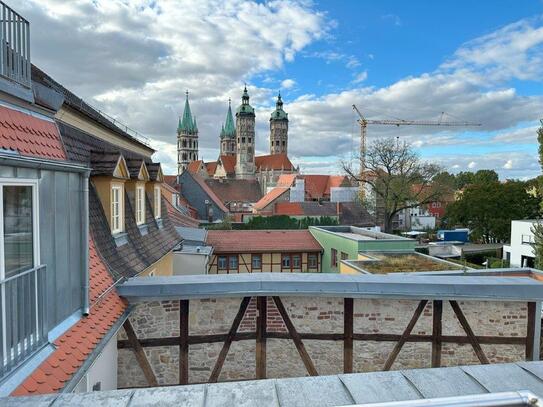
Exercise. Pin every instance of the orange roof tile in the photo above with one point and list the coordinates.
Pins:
(286, 180)
(194, 166)
(288, 208)
(211, 167)
(274, 162)
(315, 185)
(171, 180)
(229, 163)
(263, 241)
(74, 346)
(269, 198)
(29, 135)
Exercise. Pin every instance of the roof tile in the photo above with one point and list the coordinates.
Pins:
(251, 241)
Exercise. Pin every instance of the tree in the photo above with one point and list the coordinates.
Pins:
(537, 229)
(488, 209)
(398, 178)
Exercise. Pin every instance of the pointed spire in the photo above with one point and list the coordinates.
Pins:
(229, 127)
(186, 122)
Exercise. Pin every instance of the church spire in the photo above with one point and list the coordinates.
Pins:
(229, 126)
(186, 123)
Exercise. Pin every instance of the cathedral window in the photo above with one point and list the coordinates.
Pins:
(243, 140)
(184, 143)
(277, 142)
(249, 140)
(284, 143)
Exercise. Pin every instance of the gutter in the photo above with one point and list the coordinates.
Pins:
(85, 242)
(15, 159)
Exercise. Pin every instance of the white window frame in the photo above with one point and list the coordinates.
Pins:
(35, 245)
(156, 202)
(140, 204)
(120, 227)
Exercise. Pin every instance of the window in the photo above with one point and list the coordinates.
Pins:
(19, 238)
(312, 261)
(243, 139)
(333, 260)
(222, 262)
(232, 263)
(344, 256)
(296, 261)
(527, 239)
(156, 200)
(116, 208)
(276, 142)
(140, 205)
(256, 262)
(249, 140)
(285, 262)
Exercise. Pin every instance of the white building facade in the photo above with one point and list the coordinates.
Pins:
(520, 251)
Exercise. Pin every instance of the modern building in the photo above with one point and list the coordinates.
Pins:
(272, 251)
(520, 252)
(346, 242)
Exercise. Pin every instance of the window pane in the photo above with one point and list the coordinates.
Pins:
(296, 261)
(233, 262)
(222, 263)
(18, 234)
(257, 261)
(286, 261)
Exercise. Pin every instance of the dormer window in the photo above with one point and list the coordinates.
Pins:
(117, 208)
(156, 201)
(140, 205)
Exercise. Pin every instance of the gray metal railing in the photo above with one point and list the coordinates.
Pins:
(22, 314)
(14, 46)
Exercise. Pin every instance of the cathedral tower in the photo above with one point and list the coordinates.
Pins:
(228, 134)
(279, 129)
(187, 138)
(245, 138)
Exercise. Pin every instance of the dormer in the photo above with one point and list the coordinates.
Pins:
(109, 174)
(135, 189)
(153, 188)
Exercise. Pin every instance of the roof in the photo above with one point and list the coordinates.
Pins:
(192, 234)
(359, 233)
(76, 345)
(245, 108)
(211, 167)
(187, 123)
(318, 186)
(286, 180)
(269, 198)
(279, 113)
(229, 129)
(209, 192)
(353, 213)
(235, 190)
(476, 383)
(228, 163)
(308, 208)
(388, 286)
(251, 241)
(104, 163)
(81, 106)
(288, 208)
(274, 162)
(194, 166)
(30, 135)
(178, 218)
(171, 180)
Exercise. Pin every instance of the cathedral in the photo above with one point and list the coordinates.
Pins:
(237, 141)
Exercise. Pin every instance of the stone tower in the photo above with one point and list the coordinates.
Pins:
(187, 138)
(228, 134)
(245, 138)
(279, 129)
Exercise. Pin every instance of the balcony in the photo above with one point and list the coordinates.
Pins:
(22, 313)
(15, 47)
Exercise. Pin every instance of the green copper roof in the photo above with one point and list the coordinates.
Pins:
(279, 113)
(187, 123)
(245, 107)
(229, 129)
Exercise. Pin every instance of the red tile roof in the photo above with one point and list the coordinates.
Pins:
(179, 219)
(76, 344)
(263, 241)
(288, 208)
(229, 163)
(171, 180)
(286, 180)
(211, 167)
(315, 186)
(274, 162)
(29, 135)
(269, 198)
(194, 166)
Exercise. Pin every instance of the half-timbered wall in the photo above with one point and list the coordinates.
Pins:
(270, 263)
(336, 334)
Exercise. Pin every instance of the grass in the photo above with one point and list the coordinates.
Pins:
(403, 263)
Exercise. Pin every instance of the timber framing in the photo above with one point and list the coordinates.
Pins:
(348, 336)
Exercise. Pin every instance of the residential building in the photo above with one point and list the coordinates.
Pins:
(346, 242)
(520, 251)
(275, 251)
(200, 196)
(193, 255)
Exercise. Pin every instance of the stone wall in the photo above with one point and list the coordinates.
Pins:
(313, 315)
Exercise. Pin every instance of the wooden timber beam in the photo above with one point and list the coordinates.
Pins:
(228, 341)
(348, 335)
(398, 347)
(261, 327)
(437, 317)
(183, 341)
(140, 354)
(469, 332)
(295, 338)
(530, 330)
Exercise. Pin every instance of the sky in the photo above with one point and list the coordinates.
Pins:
(480, 62)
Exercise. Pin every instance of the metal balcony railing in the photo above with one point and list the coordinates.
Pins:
(14, 46)
(22, 314)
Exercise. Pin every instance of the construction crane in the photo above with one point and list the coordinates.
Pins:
(364, 123)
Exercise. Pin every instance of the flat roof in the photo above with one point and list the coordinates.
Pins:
(464, 383)
(382, 262)
(390, 286)
(359, 233)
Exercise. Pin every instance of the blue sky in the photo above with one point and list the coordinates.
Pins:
(479, 61)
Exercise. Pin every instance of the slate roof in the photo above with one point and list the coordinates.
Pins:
(29, 135)
(274, 162)
(235, 190)
(81, 106)
(178, 218)
(209, 192)
(353, 213)
(103, 163)
(77, 343)
(134, 167)
(270, 197)
(152, 169)
(400, 386)
(251, 241)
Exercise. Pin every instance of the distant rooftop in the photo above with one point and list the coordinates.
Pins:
(511, 384)
(396, 262)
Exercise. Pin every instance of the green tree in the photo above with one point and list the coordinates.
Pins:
(537, 229)
(488, 209)
(485, 176)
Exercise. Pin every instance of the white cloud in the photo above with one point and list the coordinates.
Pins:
(360, 77)
(472, 165)
(288, 83)
(508, 165)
